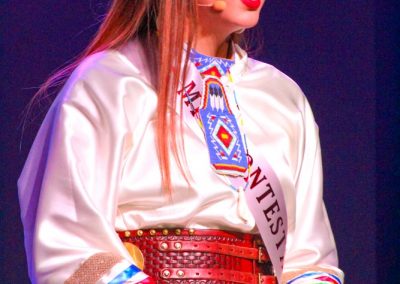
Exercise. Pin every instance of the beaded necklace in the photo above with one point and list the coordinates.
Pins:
(227, 145)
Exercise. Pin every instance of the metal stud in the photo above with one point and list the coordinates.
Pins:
(180, 273)
(152, 232)
(164, 246)
(178, 245)
(178, 232)
(127, 234)
(166, 273)
(139, 233)
(165, 232)
(191, 232)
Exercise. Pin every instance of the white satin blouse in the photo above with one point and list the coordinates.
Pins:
(93, 168)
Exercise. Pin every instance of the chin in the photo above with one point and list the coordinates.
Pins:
(246, 22)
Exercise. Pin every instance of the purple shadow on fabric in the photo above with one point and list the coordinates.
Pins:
(29, 190)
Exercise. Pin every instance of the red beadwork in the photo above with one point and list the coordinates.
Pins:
(224, 136)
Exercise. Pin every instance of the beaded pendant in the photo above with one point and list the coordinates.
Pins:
(222, 134)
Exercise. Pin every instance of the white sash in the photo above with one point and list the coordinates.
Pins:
(264, 194)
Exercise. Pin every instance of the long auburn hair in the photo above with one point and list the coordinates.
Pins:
(171, 23)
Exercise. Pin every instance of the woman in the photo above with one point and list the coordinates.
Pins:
(170, 156)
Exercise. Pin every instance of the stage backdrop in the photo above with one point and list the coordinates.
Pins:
(328, 47)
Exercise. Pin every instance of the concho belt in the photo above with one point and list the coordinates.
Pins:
(199, 256)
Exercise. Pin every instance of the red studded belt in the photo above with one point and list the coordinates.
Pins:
(202, 256)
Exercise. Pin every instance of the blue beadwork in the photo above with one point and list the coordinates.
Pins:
(224, 140)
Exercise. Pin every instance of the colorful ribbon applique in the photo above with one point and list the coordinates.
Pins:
(125, 275)
(315, 278)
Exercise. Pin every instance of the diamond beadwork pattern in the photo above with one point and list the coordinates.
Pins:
(224, 136)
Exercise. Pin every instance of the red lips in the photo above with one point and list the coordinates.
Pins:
(252, 4)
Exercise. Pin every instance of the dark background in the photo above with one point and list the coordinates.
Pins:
(344, 55)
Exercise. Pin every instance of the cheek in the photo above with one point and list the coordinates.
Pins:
(248, 20)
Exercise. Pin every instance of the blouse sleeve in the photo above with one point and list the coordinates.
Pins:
(69, 185)
(311, 252)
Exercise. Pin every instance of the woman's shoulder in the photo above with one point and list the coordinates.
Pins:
(110, 74)
(125, 61)
(109, 82)
(269, 76)
(273, 81)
